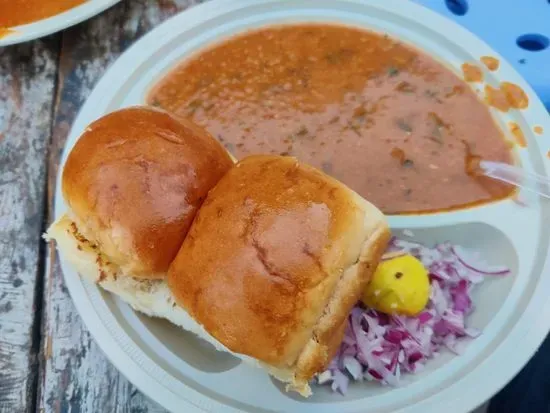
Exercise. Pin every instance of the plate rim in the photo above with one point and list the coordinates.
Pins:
(532, 339)
(44, 27)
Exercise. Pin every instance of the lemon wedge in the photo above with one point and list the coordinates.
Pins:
(399, 286)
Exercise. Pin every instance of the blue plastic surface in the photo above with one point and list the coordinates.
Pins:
(500, 23)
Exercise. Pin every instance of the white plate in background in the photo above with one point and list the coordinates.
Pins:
(44, 27)
(183, 374)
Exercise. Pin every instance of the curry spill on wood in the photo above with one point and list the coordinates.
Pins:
(27, 79)
(76, 376)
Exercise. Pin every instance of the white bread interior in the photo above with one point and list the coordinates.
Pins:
(150, 297)
(153, 297)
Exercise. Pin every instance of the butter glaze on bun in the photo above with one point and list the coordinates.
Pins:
(275, 260)
(134, 182)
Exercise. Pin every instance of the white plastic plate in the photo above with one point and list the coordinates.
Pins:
(55, 23)
(183, 374)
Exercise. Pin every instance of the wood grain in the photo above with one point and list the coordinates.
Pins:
(75, 375)
(27, 87)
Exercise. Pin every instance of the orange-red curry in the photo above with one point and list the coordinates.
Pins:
(17, 12)
(472, 73)
(492, 63)
(4, 32)
(389, 121)
(507, 96)
(518, 134)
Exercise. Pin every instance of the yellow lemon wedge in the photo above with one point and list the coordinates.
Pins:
(399, 286)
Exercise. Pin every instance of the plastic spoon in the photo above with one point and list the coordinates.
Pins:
(516, 176)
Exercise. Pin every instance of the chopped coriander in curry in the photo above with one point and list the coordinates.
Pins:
(384, 118)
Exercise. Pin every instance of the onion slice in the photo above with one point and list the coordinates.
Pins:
(501, 270)
(381, 347)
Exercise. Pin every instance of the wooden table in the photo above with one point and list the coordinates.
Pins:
(48, 361)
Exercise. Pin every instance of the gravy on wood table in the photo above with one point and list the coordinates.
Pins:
(17, 12)
(389, 121)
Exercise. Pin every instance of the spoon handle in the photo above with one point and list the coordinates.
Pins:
(517, 176)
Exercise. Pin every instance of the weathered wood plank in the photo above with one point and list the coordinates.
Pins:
(76, 377)
(27, 85)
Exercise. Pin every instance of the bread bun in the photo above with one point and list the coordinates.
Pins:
(134, 182)
(151, 297)
(276, 258)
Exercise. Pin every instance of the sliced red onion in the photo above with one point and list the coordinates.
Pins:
(340, 382)
(324, 377)
(353, 367)
(425, 317)
(459, 253)
(461, 297)
(380, 348)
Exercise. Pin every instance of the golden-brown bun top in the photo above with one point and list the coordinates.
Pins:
(265, 254)
(134, 181)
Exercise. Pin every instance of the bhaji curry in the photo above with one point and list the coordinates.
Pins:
(395, 125)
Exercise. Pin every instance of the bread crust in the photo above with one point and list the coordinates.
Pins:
(275, 260)
(134, 181)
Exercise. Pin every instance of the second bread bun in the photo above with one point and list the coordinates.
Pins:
(134, 182)
(276, 258)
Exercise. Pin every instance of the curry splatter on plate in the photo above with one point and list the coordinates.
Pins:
(492, 63)
(518, 134)
(472, 73)
(507, 96)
